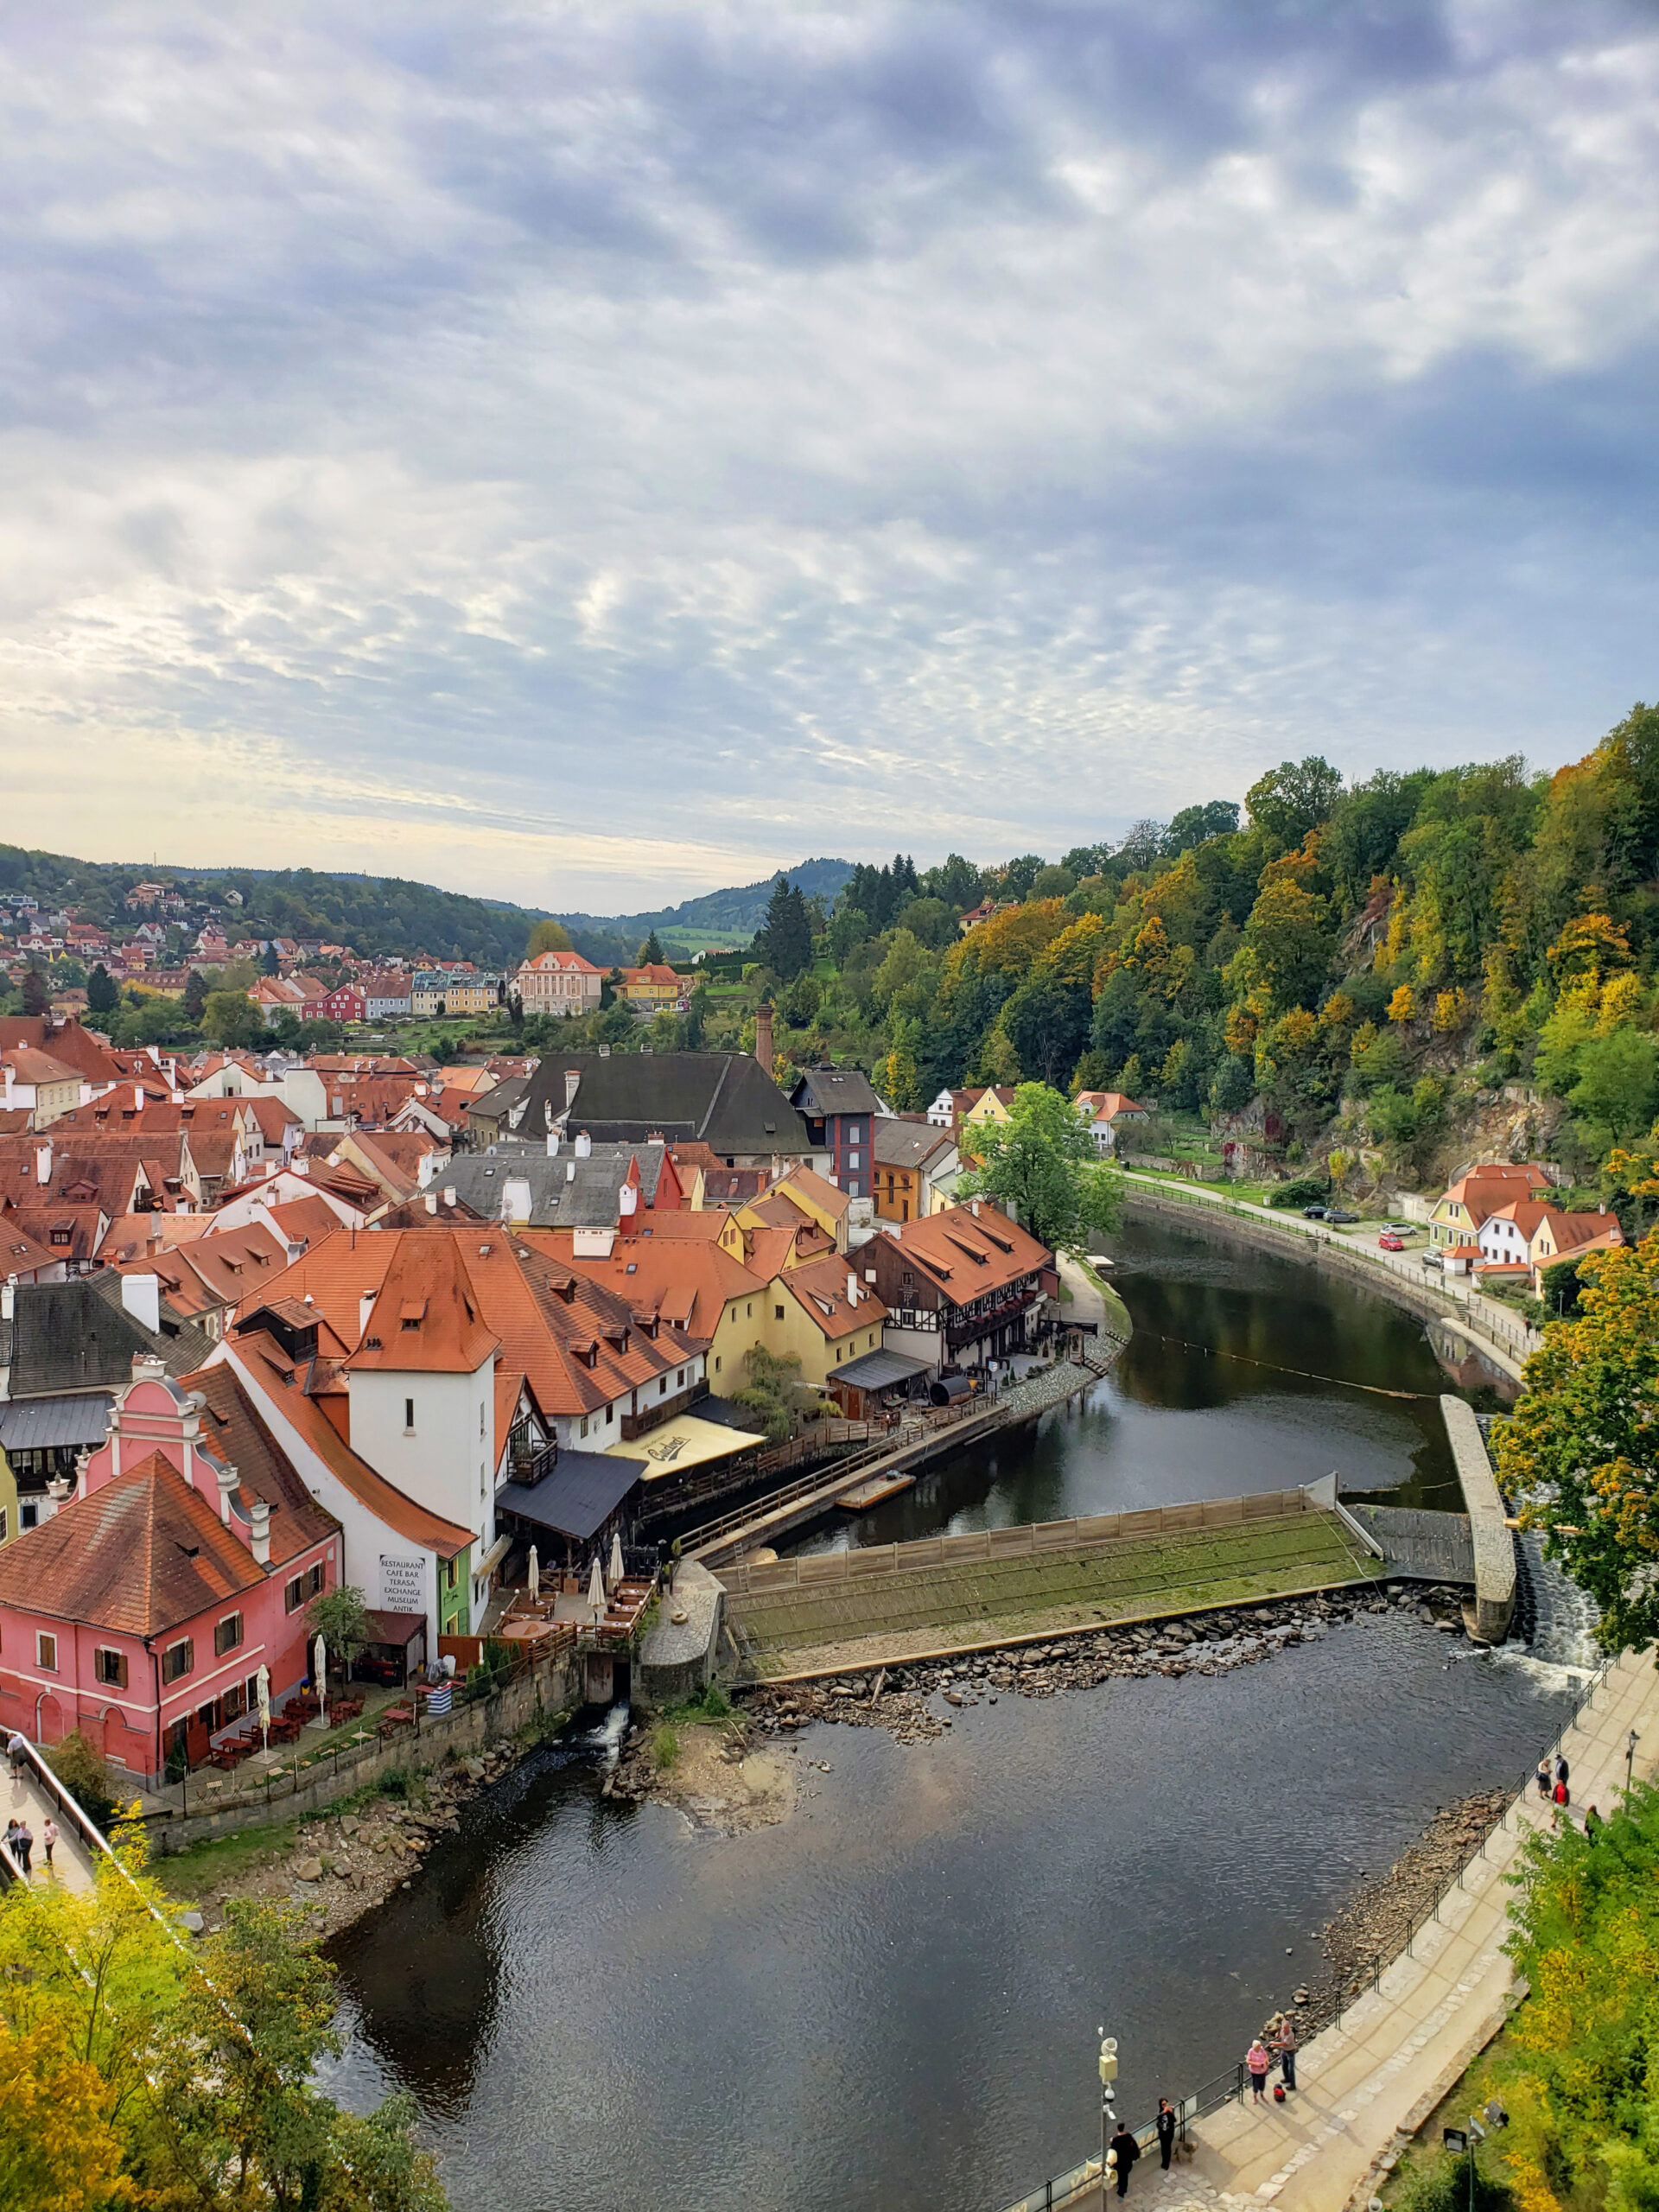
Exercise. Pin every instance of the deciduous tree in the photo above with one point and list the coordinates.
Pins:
(1042, 1162)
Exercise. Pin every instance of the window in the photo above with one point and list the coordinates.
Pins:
(776, 1312)
(314, 1580)
(46, 1653)
(679, 1379)
(662, 1386)
(28, 1513)
(234, 1703)
(584, 1424)
(177, 1660)
(610, 1414)
(4, 1530)
(409, 1416)
(110, 1666)
(748, 1310)
(449, 1574)
(293, 1595)
(717, 1362)
(227, 1633)
(852, 1160)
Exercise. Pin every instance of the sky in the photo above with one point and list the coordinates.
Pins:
(593, 453)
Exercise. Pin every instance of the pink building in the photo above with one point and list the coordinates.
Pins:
(142, 1612)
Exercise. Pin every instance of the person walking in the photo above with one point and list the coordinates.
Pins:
(1257, 2060)
(1285, 2046)
(1563, 1797)
(24, 1845)
(1127, 2151)
(1593, 1819)
(49, 1839)
(17, 1751)
(1561, 1771)
(1165, 2125)
(1543, 1779)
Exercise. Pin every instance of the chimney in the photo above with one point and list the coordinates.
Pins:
(57, 1493)
(43, 1163)
(584, 1145)
(259, 1541)
(852, 1287)
(626, 1199)
(763, 1037)
(552, 1144)
(141, 1297)
(431, 1202)
(364, 1307)
(974, 1204)
(449, 1194)
(146, 1368)
(9, 1080)
(228, 1482)
(572, 1085)
(137, 1098)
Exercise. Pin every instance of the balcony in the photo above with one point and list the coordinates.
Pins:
(969, 1327)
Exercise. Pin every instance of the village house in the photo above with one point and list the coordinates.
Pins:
(1455, 1224)
(559, 982)
(142, 1612)
(840, 1110)
(41, 1086)
(724, 1100)
(1106, 1113)
(1523, 1237)
(652, 989)
(910, 1157)
(962, 1287)
(387, 995)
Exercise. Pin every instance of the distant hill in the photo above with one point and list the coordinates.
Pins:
(380, 917)
(718, 918)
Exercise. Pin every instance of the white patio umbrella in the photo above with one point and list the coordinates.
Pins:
(616, 1559)
(596, 1593)
(535, 1574)
(262, 1681)
(319, 1670)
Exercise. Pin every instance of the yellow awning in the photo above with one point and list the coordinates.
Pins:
(684, 1442)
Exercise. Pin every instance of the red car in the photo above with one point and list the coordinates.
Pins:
(1392, 1240)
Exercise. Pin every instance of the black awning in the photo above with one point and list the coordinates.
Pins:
(577, 1498)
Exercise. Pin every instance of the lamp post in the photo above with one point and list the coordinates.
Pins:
(1630, 1743)
(1108, 2077)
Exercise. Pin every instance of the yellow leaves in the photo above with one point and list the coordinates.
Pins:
(1296, 1034)
(1450, 1011)
(1242, 1027)
(1362, 1040)
(57, 2145)
(1008, 944)
(1076, 955)
(1402, 1007)
(1151, 948)
(1336, 1013)
(1590, 945)
(1621, 1002)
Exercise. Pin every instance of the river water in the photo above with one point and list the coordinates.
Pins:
(890, 1999)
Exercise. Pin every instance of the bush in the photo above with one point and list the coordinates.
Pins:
(664, 1748)
(1301, 1191)
(80, 1766)
(1442, 2185)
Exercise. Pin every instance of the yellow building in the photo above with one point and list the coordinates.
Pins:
(656, 990)
(800, 1195)
(8, 1501)
(822, 1314)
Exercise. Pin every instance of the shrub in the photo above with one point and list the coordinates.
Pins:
(1300, 1190)
(1442, 2185)
(79, 1764)
(664, 1748)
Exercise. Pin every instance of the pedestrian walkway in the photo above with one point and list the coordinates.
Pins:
(1374, 2077)
(25, 1799)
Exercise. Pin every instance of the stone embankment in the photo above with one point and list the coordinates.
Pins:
(896, 1698)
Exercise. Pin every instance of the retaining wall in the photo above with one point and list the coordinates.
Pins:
(551, 1688)
(1434, 1547)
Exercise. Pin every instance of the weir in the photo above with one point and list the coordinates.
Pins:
(1494, 1545)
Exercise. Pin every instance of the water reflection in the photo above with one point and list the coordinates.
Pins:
(1240, 1376)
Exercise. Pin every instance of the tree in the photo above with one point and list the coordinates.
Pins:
(771, 1392)
(1295, 797)
(36, 998)
(268, 963)
(103, 996)
(196, 996)
(1196, 825)
(956, 881)
(1618, 1083)
(649, 954)
(1579, 1452)
(58, 2143)
(1287, 938)
(232, 1019)
(1047, 1021)
(785, 941)
(547, 936)
(342, 1618)
(1041, 1162)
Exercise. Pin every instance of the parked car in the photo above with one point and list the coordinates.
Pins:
(1432, 1259)
(1314, 1213)
(1392, 1240)
(1342, 1220)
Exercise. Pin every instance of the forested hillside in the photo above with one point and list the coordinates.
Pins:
(1374, 962)
(731, 917)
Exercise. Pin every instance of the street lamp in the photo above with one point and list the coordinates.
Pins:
(1108, 2076)
(1630, 1743)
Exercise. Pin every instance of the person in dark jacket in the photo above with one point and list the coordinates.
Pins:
(1127, 2151)
(1165, 2125)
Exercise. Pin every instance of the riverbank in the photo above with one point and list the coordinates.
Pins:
(339, 1864)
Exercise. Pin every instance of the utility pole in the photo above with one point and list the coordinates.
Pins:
(1108, 2077)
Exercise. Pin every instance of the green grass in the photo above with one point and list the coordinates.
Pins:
(664, 1747)
(218, 1858)
(1485, 2078)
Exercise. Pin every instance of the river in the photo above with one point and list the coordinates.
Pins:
(891, 1998)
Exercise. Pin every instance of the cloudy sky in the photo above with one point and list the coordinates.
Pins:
(594, 453)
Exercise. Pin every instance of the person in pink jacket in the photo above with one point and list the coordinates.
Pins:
(1257, 2059)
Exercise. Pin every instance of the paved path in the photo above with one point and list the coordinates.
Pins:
(24, 1797)
(1397, 2051)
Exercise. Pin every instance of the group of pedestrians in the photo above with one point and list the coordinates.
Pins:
(1259, 2064)
(20, 1841)
(1554, 1790)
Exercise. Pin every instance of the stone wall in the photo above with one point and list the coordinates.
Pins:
(551, 1688)
(1494, 1545)
(1434, 1547)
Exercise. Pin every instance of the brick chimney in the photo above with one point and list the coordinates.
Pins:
(763, 1037)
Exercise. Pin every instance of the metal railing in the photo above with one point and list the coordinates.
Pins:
(1222, 2089)
(90, 1834)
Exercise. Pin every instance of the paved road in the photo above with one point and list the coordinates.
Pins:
(23, 1798)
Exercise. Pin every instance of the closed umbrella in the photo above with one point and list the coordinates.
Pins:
(319, 1670)
(616, 1559)
(596, 1593)
(535, 1574)
(263, 1682)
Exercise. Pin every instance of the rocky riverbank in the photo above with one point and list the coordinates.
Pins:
(340, 1864)
(900, 1698)
(715, 1776)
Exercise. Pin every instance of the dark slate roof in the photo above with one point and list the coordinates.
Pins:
(566, 1192)
(77, 1336)
(47, 1424)
(578, 1498)
(874, 1370)
(723, 1099)
(494, 1104)
(905, 1144)
(834, 1090)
